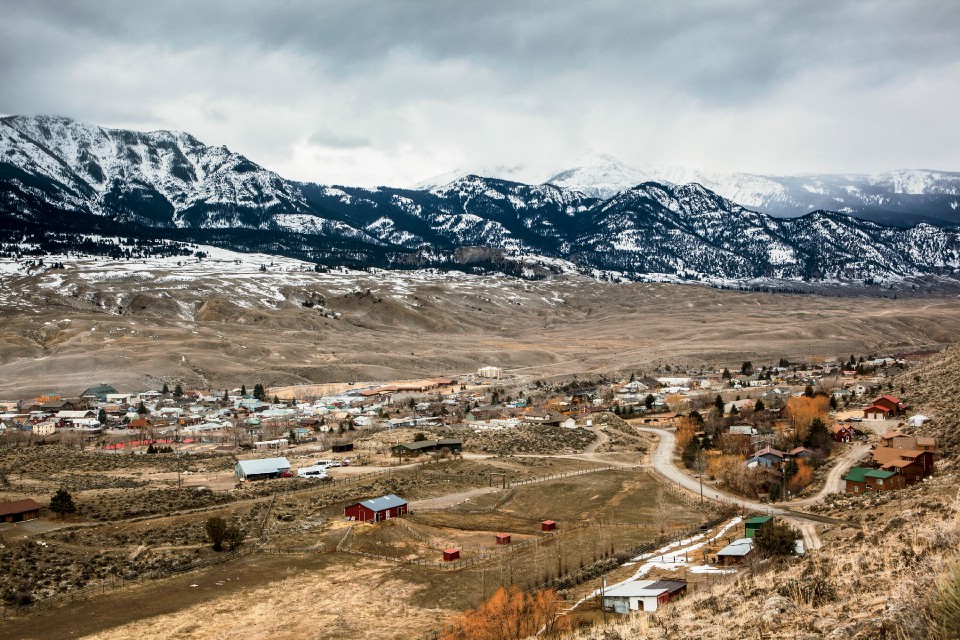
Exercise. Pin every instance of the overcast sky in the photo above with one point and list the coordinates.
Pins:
(392, 92)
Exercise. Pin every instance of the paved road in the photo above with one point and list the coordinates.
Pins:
(663, 462)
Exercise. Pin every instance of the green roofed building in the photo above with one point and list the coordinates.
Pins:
(863, 480)
(98, 392)
(753, 524)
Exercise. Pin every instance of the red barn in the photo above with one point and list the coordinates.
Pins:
(449, 555)
(548, 525)
(503, 538)
(377, 509)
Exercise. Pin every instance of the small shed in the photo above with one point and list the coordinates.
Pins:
(342, 448)
(377, 509)
(503, 538)
(19, 510)
(449, 555)
(548, 525)
(735, 552)
(753, 524)
(263, 469)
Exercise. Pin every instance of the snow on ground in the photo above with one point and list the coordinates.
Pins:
(671, 557)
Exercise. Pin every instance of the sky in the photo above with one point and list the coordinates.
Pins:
(392, 92)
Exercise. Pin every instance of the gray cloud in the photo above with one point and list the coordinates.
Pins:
(391, 92)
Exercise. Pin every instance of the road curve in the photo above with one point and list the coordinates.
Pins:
(662, 461)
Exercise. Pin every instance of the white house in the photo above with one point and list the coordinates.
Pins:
(642, 595)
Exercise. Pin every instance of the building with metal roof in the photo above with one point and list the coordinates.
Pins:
(377, 509)
(262, 469)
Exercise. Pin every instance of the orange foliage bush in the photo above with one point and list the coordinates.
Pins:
(509, 614)
(802, 478)
(803, 411)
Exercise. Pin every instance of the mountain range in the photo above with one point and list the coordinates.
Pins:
(899, 198)
(61, 180)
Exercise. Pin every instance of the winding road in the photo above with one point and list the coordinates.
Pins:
(662, 461)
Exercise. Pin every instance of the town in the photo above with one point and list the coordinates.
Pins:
(458, 474)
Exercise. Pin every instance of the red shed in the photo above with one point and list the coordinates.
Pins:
(377, 509)
(503, 538)
(449, 555)
(548, 525)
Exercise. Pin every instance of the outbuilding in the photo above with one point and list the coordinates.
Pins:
(503, 538)
(449, 555)
(263, 469)
(19, 510)
(753, 525)
(642, 595)
(377, 509)
(548, 525)
(735, 553)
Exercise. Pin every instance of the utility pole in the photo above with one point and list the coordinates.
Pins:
(603, 594)
(177, 436)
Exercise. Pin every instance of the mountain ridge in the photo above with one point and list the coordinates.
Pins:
(58, 175)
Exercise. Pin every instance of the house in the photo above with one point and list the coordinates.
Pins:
(912, 465)
(642, 595)
(892, 403)
(263, 469)
(751, 526)
(898, 440)
(800, 452)
(863, 480)
(543, 417)
(44, 428)
(377, 509)
(876, 412)
(766, 457)
(19, 511)
(743, 430)
(841, 432)
(735, 553)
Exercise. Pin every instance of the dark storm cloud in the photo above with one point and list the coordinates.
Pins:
(300, 84)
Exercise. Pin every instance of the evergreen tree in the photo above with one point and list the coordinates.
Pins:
(259, 392)
(776, 538)
(726, 374)
(61, 503)
(809, 391)
(276, 399)
(166, 390)
(759, 406)
(718, 404)
(649, 400)
(243, 390)
(178, 391)
(142, 409)
(747, 368)
(102, 416)
(226, 396)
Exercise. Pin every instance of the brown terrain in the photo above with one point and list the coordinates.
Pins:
(219, 324)
(313, 574)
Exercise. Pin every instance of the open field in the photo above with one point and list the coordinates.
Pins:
(599, 513)
(220, 325)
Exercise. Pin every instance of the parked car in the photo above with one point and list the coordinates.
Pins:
(314, 473)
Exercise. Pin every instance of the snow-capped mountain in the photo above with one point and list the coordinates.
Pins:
(61, 180)
(901, 198)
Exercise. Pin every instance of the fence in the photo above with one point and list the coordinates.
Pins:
(111, 584)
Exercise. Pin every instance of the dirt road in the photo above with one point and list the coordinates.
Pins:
(662, 460)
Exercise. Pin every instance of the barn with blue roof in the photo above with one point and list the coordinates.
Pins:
(377, 509)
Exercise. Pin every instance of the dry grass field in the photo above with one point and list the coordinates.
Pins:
(218, 326)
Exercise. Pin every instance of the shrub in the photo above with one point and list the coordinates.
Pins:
(776, 538)
(943, 613)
